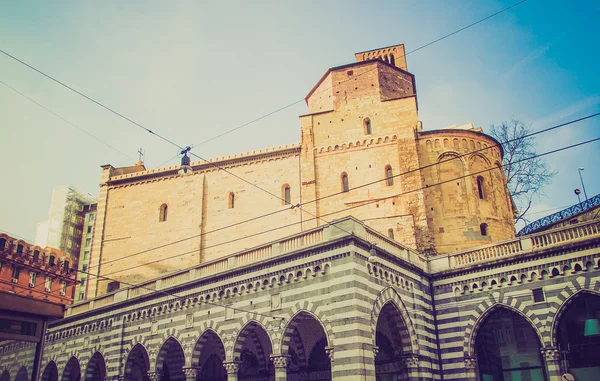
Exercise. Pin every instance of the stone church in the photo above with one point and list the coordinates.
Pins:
(370, 250)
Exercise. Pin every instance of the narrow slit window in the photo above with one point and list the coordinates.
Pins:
(162, 217)
(287, 196)
(345, 187)
(483, 228)
(392, 59)
(480, 187)
(367, 126)
(231, 200)
(391, 233)
(389, 175)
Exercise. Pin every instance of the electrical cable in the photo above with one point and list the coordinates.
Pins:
(353, 188)
(349, 208)
(358, 75)
(278, 211)
(65, 120)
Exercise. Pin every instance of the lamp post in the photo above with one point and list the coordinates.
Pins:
(578, 192)
(583, 186)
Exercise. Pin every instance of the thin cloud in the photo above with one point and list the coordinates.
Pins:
(527, 60)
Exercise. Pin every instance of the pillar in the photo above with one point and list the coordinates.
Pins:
(552, 358)
(411, 364)
(470, 368)
(191, 373)
(155, 376)
(232, 370)
(281, 363)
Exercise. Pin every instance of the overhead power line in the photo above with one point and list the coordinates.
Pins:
(455, 157)
(67, 121)
(354, 77)
(105, 277)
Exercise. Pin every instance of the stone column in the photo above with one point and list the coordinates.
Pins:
(232, 368)
(191, 373)
(411, 364)
(281, 363)
(471, 368)
(155, 376)
(552, 358)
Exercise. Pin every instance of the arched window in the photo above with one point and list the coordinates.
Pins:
(162, 216)
(367, 126)
(19, 248)
(51, 260)
(231, 200)
(66, 265)
(392, 60)
(36, 254)
(345, 187)
(385, 58)
(2, 243)
(508, 348)
(389, 175)
(391, 233)
(483, 229)
(480, 182)
(286, 195)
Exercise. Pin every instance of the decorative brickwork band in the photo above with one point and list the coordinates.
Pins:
(155, 376)
(191, 373)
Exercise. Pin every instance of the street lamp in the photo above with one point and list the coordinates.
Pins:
(583, 186)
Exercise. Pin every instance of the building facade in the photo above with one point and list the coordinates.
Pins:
(379, 252)
(28, 270)
(362, 152)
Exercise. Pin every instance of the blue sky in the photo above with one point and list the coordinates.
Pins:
(191, 70)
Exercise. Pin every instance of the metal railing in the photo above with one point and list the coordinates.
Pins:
(562, 215)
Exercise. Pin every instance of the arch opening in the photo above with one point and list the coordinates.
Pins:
(578, 334)
(392, 341)
(211, 354)
(306, 344)
(170, 361)
(72, 370)
(137, 365)
(96, 369)
(508, 348)
(253, 351)
(6, 376)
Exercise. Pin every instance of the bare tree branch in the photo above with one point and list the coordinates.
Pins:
(525, 179)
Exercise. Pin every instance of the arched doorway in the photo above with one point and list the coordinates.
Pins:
(392, 341)
(22, 375)
(72, 370)
(307, 348)
(253, 352)
(96, 368)
(171, 360)
(578, 336)
(508, 348)
(50, 372)
(137, 365)
(211, 356)
(5, 376)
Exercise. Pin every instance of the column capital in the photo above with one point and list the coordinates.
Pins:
(191, 372)
(280, 361)
(375, 350)
(551, 354)
(155, 376)
(411, 361)
(231, 366)
(470, 363)
(329, 351)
